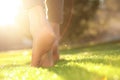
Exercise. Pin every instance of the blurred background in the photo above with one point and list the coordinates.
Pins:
(85, 22)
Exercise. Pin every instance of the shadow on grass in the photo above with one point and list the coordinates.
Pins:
(71, 72)
(114, 63)
(106, 54)
(107, 48)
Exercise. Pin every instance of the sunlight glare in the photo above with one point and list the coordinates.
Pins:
(8, 11)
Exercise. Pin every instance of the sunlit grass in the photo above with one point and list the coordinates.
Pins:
(100, 62)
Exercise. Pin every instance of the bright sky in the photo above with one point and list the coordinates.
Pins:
(8, 11)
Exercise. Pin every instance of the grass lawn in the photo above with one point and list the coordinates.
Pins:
(98, 62)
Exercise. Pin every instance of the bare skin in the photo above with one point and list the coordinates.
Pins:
(43, 38)
(55, 51)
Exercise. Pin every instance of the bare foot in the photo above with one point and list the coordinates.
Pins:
(55, 53)
(47, 60)
(56, 57)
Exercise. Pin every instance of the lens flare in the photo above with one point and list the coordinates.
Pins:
(8, 11)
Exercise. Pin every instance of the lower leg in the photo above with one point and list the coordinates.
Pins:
(43, 38)
(41, 55)
(55, 51)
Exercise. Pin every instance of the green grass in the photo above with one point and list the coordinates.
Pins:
(99, 62)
